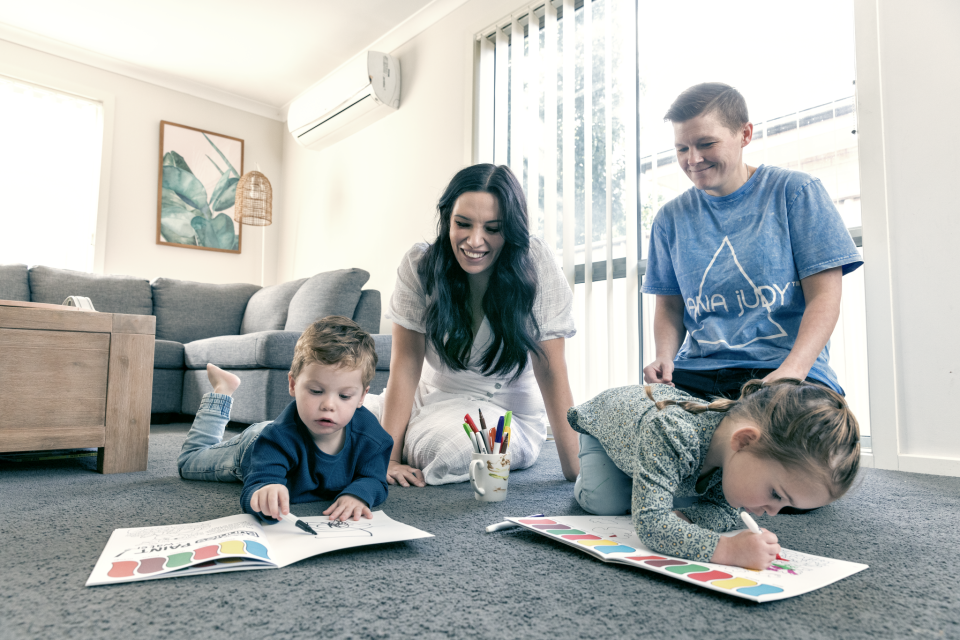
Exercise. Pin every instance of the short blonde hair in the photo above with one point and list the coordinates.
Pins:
(337, 341)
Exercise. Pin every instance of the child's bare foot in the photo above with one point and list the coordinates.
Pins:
(222, 381)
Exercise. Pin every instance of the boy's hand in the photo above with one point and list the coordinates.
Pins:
(748, 550)
(346, 507)
(271, 500)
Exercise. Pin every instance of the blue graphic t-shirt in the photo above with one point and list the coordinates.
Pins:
(737, 260)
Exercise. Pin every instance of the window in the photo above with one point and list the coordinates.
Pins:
(555, 79)
(49, 175)
(643, 53)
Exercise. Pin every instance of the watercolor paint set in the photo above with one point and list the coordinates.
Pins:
(613, 539)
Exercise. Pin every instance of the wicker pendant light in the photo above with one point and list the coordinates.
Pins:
(254, 203)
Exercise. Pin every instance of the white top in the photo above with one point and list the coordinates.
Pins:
(444, 395)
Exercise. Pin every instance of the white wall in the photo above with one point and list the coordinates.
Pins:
(908, 66)
(128, 236)
(364, 201)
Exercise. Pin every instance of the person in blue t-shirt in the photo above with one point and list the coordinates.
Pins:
(746, 265)
(324, 445)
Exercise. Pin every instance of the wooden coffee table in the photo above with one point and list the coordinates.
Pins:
(72, 379)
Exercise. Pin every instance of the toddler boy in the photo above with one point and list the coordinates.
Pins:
(324, 445)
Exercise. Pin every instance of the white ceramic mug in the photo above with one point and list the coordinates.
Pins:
(489, 473)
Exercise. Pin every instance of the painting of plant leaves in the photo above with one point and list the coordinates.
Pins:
(199, 171)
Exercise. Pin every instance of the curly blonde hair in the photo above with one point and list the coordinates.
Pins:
(803, 426)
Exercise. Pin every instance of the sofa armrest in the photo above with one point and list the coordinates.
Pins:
(384, 342)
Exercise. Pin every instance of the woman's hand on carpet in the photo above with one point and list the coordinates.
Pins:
(404, 475)
(271, 500)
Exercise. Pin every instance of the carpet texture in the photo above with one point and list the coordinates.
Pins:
(463, 583)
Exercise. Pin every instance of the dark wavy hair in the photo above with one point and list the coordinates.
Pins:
(511, 290)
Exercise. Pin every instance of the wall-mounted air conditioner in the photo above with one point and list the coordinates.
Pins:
(359, 93)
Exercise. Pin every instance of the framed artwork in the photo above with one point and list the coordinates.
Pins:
(199, 171)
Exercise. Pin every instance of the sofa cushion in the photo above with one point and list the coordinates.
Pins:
(109, 294)
(267, 309)
(167, 354)
(263, 394)
(367, 314)
(261, 350)
(331, 293)
(188, 311)
(14, 284)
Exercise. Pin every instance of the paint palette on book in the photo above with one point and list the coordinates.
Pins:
(613, 539)
(234, 543)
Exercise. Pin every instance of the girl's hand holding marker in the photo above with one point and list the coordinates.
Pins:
(755, 549)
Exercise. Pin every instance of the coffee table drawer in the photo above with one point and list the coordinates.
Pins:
(53, 378)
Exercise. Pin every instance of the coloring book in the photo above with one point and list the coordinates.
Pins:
(234, 543)
(613, 539)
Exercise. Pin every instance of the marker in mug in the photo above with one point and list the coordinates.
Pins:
(469, 425)
(297, 522)
(476, 437)
(473, 440)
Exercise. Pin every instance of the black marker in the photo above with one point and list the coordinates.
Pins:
(298, 523)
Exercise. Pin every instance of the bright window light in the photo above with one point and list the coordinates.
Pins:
(50, 148)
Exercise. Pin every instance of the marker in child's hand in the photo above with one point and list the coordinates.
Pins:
(752, 525)
(297, 522)
(747, 520)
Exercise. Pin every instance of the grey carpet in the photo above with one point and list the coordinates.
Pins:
(464, 582)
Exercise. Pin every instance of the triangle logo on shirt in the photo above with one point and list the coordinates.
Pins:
(746, 313)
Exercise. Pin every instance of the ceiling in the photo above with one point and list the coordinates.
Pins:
(263, 52)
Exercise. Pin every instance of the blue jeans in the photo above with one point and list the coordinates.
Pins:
(601, 488)
(204, 456)
(604, 490)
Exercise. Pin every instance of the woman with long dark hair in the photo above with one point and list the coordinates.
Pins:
(479, 322)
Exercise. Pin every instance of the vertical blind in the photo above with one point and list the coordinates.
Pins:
(556, 99)
(49, 175)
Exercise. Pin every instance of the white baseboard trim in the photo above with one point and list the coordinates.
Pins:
(930, 465)
(866, 460)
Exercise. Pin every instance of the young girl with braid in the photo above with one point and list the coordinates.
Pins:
(783, 443)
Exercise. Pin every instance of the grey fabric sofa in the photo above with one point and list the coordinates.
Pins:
(243, 328)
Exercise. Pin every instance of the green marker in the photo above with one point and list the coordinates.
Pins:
(473, 440)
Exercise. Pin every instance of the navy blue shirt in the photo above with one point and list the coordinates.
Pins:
(286, 454)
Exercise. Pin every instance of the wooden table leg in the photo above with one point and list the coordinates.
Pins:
(129, 393)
